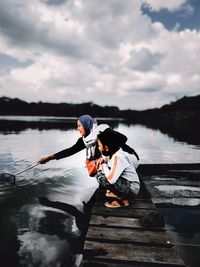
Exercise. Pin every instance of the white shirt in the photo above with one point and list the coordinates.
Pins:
(91, 140)
(122, 164)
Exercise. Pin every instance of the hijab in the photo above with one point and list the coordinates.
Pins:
(88, 123)
(91, 132)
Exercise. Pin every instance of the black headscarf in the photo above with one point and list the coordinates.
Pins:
(115, 140)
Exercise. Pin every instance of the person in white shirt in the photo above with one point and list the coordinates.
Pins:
(117, 173)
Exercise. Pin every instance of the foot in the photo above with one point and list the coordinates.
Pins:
(110, 194)
(118, 203)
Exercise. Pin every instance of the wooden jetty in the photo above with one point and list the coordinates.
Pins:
(133, 235)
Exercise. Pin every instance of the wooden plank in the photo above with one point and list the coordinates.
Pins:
(113, 263)
(122, 212)
(124, 235)
(130, 253)
(132, 223)
(117, 263)
(99, 220)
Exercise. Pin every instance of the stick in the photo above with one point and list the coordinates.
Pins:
(26, 169)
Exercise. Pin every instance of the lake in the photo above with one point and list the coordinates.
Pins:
(36, 235)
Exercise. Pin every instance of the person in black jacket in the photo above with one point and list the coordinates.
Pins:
(88, 129)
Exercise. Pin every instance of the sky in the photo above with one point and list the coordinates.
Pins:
(134, 54)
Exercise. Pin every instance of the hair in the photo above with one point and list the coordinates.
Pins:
(112, 139)
(130, 150)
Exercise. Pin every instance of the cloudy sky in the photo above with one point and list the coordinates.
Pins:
(134, 54)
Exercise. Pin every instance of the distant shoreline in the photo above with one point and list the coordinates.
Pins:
(180, 119)
(49, 118)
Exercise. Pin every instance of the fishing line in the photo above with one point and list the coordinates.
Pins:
(32, 166)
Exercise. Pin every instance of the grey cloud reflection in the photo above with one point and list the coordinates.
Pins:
(45, 238)
(41, 250)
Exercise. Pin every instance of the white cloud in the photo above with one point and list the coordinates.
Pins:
(108, 53)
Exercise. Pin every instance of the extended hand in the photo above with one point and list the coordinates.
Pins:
(45, 159)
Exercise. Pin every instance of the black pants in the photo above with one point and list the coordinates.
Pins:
(121, 187)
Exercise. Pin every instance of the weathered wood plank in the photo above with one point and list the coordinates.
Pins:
(113, 263)
(132, 223)
(122, 212)
(99, 220)
(130, 253)
(124, 235)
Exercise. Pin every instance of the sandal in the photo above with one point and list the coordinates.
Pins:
(111, 194)
(117, 203)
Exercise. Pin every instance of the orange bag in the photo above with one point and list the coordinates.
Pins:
(93, 165)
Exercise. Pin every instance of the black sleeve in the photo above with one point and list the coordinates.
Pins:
(71, 150)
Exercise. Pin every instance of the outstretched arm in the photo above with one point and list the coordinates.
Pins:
(78, 146)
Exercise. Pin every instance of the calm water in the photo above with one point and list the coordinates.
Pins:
(35, 235)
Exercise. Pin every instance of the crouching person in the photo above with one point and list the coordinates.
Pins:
(117, 172)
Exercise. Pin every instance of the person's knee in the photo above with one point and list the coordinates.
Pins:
(101, 178)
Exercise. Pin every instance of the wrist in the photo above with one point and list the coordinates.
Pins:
(51, 157)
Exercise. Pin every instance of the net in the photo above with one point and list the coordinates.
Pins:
(7, 179)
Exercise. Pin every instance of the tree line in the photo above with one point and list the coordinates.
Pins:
(180, 118)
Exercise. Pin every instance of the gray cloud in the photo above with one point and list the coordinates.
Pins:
(54, 2)
(143, 60)
(24, 28)
(150, 90)
(114, 23)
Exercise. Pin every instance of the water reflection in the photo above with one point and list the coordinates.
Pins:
(183, 225)
(44, 235)
(17, 124)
